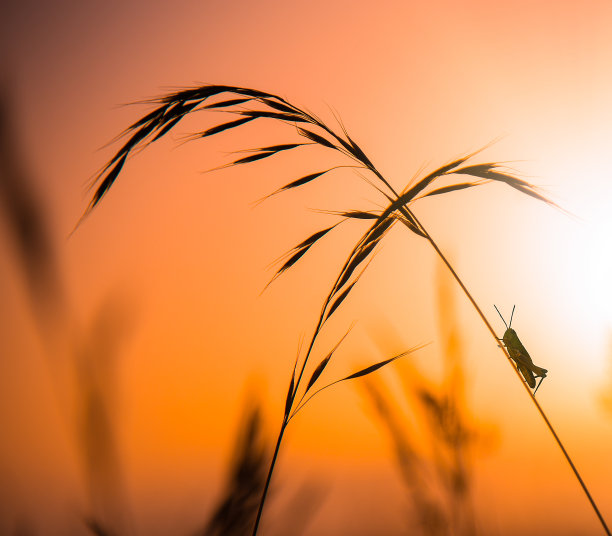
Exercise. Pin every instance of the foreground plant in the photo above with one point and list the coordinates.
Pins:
(248, 105)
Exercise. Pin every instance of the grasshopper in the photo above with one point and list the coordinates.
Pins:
(520, 356)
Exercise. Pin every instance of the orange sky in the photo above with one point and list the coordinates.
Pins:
(185, 255)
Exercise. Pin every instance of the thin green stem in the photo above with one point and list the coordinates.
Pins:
(527, 388)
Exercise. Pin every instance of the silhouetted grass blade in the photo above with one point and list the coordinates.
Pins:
(314, 237)
(409, 222)
(359, 215)
(357, 152)
(292, 118)
(180, 113)
(266, 152)
(199, 93)
(292, 260)
(167, 127)
(226, 103)
(301, 249)
(281, 147)
(253, 158)
(350, 267)
(530, 192)
(316, 138)
(291, 391)
(453, 188)
(321, 366)
(299, 182)
(487, 171)
(281, 106)
(376, 366)
(318, 371)
(107, 183)
(135, 139)
(339, 300)
(426, 181)
(225, 126)
(363, 372)
(206, 91)
(478, 170)
(153, 118)
(362, 251)
(359, 253)
(379, 230)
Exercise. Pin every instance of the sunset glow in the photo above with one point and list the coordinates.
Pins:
(151, 319)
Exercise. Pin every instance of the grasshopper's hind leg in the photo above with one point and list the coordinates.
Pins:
(538, 386)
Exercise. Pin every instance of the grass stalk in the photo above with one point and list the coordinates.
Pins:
(527, 388)
(412, 218)
(250, 105)
(269, 477)
(289, 406)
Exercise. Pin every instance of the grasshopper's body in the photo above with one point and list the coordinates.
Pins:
(520, 356)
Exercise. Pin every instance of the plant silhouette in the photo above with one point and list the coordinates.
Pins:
(248, 105)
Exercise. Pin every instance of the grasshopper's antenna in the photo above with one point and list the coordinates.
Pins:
(500, 315)
(511, 316)
(538, 386)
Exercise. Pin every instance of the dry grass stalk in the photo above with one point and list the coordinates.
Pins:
(249, 105)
